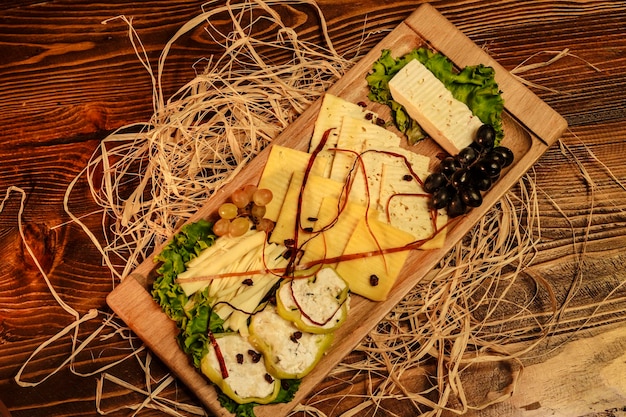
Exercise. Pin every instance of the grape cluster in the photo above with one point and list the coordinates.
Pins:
(458, 183)
(246, 208)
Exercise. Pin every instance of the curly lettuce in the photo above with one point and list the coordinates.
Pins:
(473, 85)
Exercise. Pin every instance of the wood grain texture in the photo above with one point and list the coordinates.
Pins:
(67, 80)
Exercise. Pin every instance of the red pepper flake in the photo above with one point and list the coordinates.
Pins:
(239, 357)
(312, 219)
(407, 177)
(369, 116)
(255, 356)
(269, 378)
(380, 122)
(362, 104)
(295, 336)
(248, 282)
(373, 280)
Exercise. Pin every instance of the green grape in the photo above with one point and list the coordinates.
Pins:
(240, 198)
(257, 212)
(221, 227)
(228, 211)
(239, 226)
(262, 196)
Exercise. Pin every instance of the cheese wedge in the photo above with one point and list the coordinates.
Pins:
(282, 162)
(447, 120)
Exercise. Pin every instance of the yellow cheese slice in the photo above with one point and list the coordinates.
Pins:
(374, 276)
(282, 162)
(447, 120)
(316, 189)
(332, 112)
(332, 241)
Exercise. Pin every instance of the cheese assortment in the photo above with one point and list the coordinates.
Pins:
(370, 199)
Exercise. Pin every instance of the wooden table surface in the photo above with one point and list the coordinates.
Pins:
(67, 80)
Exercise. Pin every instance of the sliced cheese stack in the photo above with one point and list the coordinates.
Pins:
(427, 100)
(350, 203)
(282, 162)
(330, 117)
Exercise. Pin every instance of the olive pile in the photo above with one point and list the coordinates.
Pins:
(458, 183)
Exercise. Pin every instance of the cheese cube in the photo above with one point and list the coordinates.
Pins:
(447, 120)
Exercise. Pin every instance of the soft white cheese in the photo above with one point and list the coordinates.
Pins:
(447, 120)
(289, 355)
(247, 379)
(319, 297)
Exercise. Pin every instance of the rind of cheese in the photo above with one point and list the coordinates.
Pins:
(282, 162)
(447, 120)
(370, 236)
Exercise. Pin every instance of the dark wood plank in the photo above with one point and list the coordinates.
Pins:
(67, 80)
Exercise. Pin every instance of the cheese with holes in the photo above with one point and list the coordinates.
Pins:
(426, 99)
(282, 162)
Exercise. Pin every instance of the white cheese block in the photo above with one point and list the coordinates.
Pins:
(447, 120)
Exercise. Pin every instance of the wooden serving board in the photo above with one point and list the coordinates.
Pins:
(531, 126)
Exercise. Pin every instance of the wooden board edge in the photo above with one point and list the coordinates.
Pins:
(134, 305)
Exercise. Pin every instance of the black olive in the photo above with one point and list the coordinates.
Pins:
(486, 136)
(456, 207)
(434, 181)
(471, 197)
